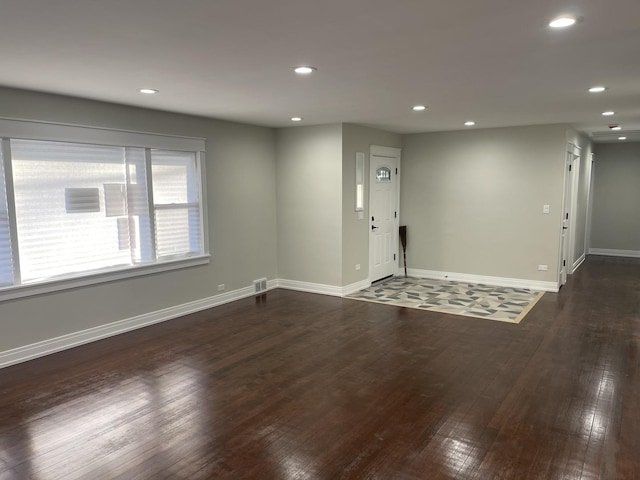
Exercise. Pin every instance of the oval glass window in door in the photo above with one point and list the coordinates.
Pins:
(383, 174)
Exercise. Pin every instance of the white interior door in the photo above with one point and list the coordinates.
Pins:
(383, 212)
(569, 208)
(566, 205)
(574, 170)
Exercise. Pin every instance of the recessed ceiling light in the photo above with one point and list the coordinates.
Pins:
(148, 91)
(419, 108)
(597, 89)
(470, 123)
(296, 119)
(608, 113)
(622, 138)
(304, 70)
(615, 127)
(561, 22)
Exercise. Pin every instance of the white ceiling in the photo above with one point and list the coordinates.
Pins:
(493, 61)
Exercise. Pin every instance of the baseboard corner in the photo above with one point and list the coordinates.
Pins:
(310, 287)
(355, 287)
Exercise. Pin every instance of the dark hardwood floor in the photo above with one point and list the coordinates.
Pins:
(301, 386)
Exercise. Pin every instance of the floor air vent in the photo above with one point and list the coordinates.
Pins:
(260, 286)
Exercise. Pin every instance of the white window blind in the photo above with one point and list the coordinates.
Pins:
(62, 226)
(176, 198)
(75, 207)
(6, 263)
(137, 207)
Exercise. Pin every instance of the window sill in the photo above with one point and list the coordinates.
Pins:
(103, 276)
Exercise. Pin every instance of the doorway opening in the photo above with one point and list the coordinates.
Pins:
(569, 207)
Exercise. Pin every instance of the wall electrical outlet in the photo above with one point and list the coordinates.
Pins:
(221, 287)
(545, 209)
(543, 268)
(357, 266)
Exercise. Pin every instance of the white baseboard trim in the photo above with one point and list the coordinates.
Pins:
(322, 288)
(308, 287)
(614, 253)
(64, 342)
(53, 345)
(356, 287)
(483, 279)
(578, 262)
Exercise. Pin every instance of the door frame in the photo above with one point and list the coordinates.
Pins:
(569, 206)
(395, 153)
(573, 206)
(587, 234)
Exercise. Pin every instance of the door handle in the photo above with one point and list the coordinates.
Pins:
(565, 228)
(373, 227)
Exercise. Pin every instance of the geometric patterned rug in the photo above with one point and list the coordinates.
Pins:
(504, 304)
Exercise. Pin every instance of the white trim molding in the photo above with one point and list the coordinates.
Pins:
(355, 287)
(105, 275)
(323, 289)
(483, 279)
(577, 263)
(66, 132)
(308, 287)
(380, 151)
(64, 342)
(614, 253)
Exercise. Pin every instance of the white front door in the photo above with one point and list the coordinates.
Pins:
(383, 212)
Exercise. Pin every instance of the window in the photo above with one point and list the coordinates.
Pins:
(6, 264)
(383, 174)
(175, 202)
(70, 209)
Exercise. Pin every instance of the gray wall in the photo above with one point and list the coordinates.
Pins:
(355, 232)
(472, 200)
(281, 205)
(242, 220)
(616, 197)
(320, 239)
(309, 202)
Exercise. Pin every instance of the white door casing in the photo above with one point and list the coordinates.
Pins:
(384, 213)
(567, 234)
(587, 236)
(573, 210)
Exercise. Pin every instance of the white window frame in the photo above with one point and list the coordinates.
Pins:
(154, 207)
(35, 130)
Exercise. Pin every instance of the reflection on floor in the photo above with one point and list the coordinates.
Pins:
(504, 304)
(293, 385)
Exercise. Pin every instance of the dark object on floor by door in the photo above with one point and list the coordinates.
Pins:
(403, 241)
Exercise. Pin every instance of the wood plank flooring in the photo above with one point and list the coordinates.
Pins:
(301, 386)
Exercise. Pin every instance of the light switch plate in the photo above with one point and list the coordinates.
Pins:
(545, 209)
